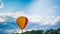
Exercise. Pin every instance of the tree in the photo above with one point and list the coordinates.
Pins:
(33, 32)
(48, 31)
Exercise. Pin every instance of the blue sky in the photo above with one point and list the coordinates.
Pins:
(42, 14)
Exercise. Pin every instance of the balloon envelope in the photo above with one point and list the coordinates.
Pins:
(22, 22)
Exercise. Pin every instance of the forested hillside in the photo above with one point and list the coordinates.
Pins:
(51, 31)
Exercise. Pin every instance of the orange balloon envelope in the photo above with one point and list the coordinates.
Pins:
(22, 22)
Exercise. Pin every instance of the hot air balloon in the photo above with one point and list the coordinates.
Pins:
(22, 22)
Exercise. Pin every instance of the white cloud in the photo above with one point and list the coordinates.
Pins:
(2, 19)
(57, 19)
(11, 31)
(13, 14)
(1, 5)
(42, 20)
(34, 18)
